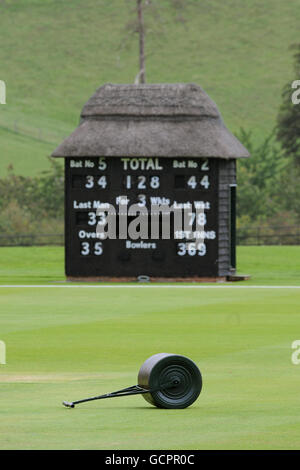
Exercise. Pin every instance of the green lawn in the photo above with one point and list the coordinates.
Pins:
(65, 344)
(55, 53)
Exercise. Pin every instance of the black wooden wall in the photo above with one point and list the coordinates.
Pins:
(227, 177)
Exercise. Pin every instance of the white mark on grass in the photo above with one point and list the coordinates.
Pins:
(2, 352)
(296, 354)
(2, 92)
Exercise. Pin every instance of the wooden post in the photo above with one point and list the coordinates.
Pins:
(233, 226)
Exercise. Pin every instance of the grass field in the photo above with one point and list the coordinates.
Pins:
(54, 54)
(65, 344)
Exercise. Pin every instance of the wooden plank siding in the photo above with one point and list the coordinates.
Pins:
(227, 176)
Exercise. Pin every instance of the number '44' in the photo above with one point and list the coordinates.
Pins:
(192, 182)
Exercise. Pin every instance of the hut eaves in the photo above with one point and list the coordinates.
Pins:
(161, 120)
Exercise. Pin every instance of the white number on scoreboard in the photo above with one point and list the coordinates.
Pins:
(90, 182)
(193, 184)
(86, 249)
(191, 249)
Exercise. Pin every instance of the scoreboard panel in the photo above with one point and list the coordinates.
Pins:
(94, 184)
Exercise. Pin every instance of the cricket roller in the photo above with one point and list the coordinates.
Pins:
(165, 380)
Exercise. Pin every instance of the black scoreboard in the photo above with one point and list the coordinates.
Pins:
(95, 184)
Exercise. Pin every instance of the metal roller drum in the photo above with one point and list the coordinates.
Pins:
(173, 381)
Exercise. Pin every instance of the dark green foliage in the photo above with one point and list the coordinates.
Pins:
(291, 187)
(41, 195)
(260, 179)
(31, 205)
(288, 121)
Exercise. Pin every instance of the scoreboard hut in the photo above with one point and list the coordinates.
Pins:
(161, 145)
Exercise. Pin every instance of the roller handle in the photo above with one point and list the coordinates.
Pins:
(134, 390)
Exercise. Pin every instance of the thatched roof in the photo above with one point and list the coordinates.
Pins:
(161, 120)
